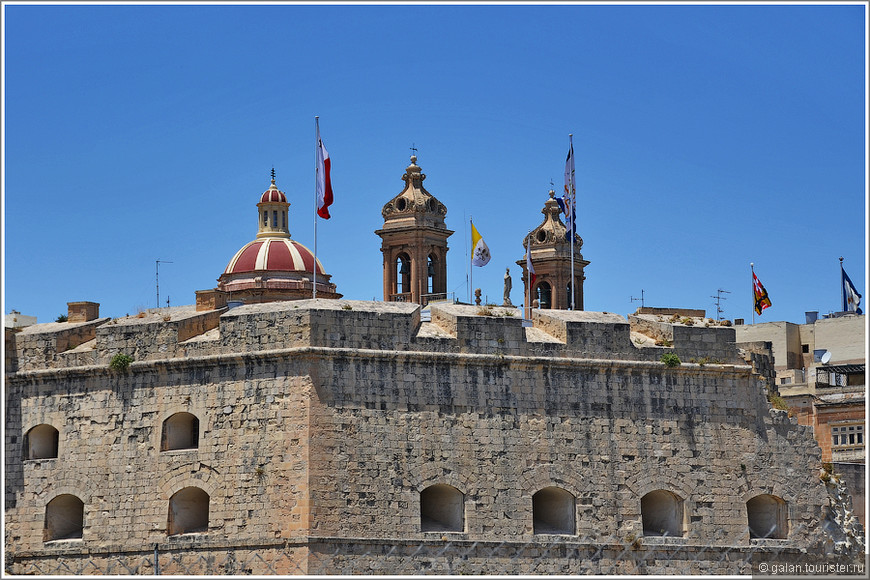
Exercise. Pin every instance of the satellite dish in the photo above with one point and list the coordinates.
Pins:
(826, 358)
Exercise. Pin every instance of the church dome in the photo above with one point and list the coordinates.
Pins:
(273, 254)
(273, 195)
(273, 266)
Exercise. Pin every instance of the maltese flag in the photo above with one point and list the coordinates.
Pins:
(529, 267)
(324, 184)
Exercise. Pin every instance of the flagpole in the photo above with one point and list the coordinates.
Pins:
(316, 176)
(470, 265)
(752, 268)
(843, 284)
(528, 276)
(573, 214)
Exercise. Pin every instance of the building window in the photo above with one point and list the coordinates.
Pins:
(553, 511)
(180, 431)
(274, 219)
(188, 512)
(545, 295)
(64, 518)
(767, 516)
(265, 218)
(805, 348)
(442, 509)
(430, 274)
(403, 274)
(847, 435)
(662, 514)
(785, 381)
(41, 442)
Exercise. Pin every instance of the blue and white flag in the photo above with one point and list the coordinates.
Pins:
(568, 202)
(851, 298)
(570, 216)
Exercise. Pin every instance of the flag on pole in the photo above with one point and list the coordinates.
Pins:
(851, 298)
(479, 250)
(529, 268)
(762, 301)
(569, 203)
(324, 183)
(569, 173)
(570, 216)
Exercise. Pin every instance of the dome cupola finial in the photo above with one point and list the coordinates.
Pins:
(272, 217)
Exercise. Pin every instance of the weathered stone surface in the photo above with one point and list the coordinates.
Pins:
(320, 423)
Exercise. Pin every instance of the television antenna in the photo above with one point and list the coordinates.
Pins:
(719, 298)
(633, 299)
(157, 279)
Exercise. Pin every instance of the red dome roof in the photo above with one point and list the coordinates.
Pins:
(276, 254)
(272, 195)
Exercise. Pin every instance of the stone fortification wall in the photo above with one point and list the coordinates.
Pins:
(45, 345)
(759, 354)
(251, 456)
(692, 338)
(183, 332)
(501, 428)
(328, 419)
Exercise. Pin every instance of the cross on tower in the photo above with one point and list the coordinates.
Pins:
(414, 149)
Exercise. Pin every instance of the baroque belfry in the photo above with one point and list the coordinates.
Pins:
(551, 259)
(414, 242)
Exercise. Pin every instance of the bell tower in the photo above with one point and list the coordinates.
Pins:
(414, 243)
(551, 260)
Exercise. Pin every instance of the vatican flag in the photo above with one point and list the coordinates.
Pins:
(479, 250)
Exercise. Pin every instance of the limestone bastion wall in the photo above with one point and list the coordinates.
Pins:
(328, 419)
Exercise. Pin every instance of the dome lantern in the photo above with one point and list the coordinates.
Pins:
(273, 267)
(272, 213)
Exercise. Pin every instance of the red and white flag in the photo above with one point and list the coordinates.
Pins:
(529, 268)
(324, 184)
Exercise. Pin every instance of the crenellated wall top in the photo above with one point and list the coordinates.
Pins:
(182, 332)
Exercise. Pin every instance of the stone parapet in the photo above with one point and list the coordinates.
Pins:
(690, 312)
(190, 331)
(692, 339)
(43, 345)
(588, 334)
(154, 334)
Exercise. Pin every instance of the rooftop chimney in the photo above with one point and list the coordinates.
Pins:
(82, 311)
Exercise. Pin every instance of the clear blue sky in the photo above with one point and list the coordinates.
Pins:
(706, 137)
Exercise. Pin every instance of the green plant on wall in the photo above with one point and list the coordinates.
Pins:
(670, 359)
(777, 402)
(120, 362)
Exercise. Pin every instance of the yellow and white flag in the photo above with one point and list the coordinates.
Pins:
(479, 250)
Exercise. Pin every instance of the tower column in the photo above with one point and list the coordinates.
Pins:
(414, 226)
(551, 257)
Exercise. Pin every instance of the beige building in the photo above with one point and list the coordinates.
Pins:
(820, 366)
(17, 320)
(302, 436)
(820, 372)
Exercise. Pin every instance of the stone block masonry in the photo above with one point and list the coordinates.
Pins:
(319, 424)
